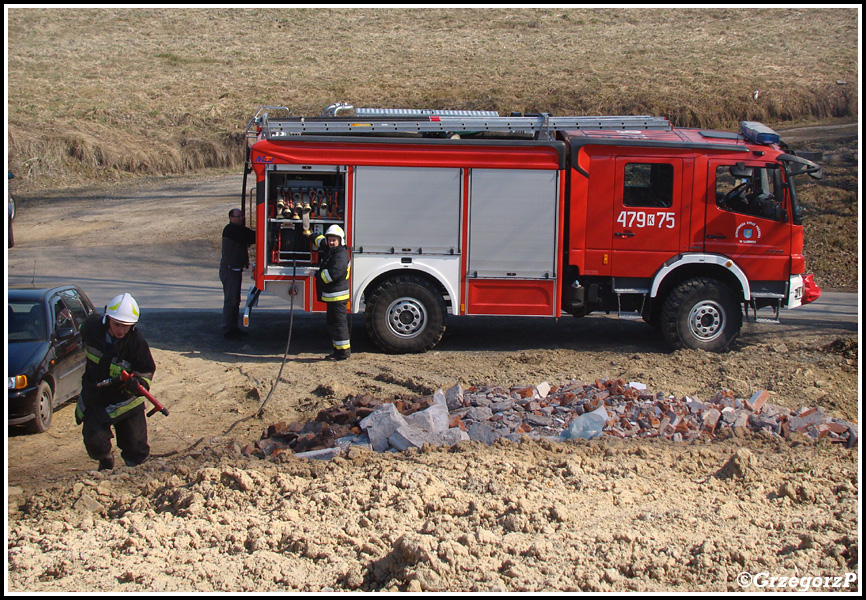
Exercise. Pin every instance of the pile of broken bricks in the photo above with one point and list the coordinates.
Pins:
(487, 413)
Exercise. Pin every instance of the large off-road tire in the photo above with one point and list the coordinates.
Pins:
(405, 314)
(702, 314)
(43, 410)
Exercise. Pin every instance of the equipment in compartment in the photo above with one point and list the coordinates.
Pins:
(299, 209)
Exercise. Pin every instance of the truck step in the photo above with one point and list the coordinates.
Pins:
(774, 321)
(631, 315)
(776, 308)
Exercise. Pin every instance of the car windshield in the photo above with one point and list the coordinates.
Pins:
(26, 322)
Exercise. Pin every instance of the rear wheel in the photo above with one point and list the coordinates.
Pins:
(702, 314)
(43, 411)
(405, 314)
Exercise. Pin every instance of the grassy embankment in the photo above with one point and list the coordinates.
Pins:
(97, 94)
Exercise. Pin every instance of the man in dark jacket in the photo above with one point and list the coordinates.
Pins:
(237, 238)
(112, 345)
(332, 285)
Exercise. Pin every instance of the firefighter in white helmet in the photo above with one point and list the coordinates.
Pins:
(332, 286)
(113, 344)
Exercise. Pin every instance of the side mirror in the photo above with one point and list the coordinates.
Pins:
(797, 165)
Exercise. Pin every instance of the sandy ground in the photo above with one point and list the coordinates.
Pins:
(603, 515)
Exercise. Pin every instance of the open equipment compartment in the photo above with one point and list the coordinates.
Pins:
(301, 202)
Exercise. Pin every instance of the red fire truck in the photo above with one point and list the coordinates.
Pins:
(472, 213)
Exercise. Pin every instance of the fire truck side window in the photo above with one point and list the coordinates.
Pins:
(649, 185)
(750, 191)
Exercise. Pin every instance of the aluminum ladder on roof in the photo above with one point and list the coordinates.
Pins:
(419, 121)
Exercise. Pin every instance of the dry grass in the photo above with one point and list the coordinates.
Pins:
(97, 94)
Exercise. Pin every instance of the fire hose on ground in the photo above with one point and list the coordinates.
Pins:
(158, 407)
(261, 409)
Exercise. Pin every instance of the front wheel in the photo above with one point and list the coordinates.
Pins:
(405, 314)
(702, 314)
(43, 410)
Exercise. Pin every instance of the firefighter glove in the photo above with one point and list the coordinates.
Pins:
(133, 383)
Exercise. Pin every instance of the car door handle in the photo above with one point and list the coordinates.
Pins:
(624, 234)
(717, 236)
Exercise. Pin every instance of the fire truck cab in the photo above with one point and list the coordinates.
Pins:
(469, 213)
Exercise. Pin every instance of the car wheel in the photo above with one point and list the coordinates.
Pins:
(44, 410)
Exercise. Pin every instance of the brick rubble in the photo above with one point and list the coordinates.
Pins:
(487, 413)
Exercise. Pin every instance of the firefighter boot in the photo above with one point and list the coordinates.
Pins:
(339, 355)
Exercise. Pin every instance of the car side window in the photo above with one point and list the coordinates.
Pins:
(76, 307)
(62, 314)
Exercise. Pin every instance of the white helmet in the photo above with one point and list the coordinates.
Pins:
(337, 231)
(123, 309)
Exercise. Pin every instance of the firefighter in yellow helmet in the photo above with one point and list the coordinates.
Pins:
(332, 286)
(113, 344)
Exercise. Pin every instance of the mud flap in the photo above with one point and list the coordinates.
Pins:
(252, 300)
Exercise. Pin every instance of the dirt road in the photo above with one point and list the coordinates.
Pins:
(532, 516)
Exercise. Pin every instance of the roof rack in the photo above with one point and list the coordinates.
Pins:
(425, 121)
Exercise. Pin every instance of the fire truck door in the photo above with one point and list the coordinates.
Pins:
(746, 218)
(647, 214)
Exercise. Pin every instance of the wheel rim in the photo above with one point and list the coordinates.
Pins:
(45, 409)
(407, 317)
(707, 320)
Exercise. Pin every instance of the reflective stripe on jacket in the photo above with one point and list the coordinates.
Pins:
(106, 357)
(332, 280)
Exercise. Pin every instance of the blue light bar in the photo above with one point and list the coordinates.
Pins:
(758, 133)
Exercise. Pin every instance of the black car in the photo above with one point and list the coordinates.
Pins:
(45, 351)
